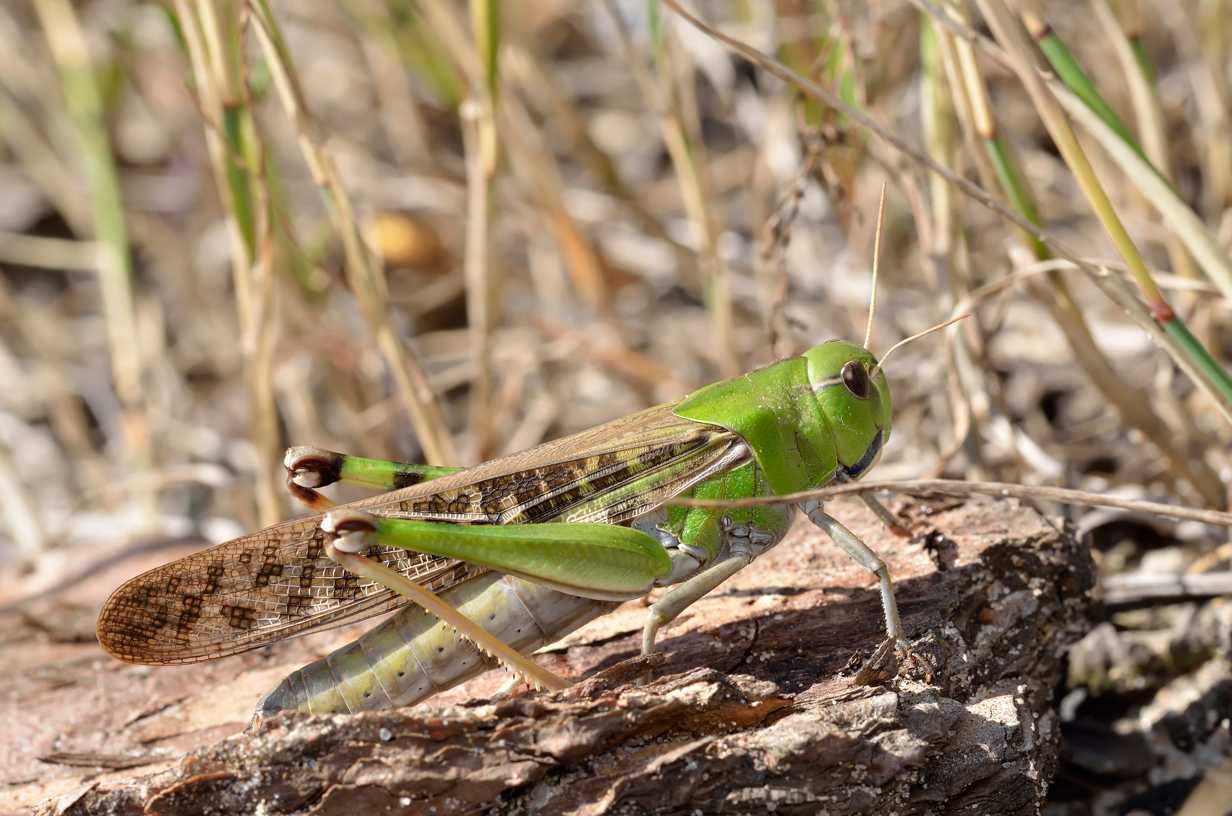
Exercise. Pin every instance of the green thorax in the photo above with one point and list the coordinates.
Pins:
(776, 413)
(702, 526)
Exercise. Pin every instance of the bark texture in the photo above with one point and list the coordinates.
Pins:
(751, 708)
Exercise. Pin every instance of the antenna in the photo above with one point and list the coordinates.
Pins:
(872, 300)
(916, 336)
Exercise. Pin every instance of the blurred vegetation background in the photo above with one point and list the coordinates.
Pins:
(437, 231)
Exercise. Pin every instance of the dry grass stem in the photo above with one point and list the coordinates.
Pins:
(365, 279)
(954, 487)
(480, 172)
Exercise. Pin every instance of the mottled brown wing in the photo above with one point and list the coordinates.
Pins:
(278, 582)
(250, 591)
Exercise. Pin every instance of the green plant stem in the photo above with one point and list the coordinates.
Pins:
(235, 125)
(213, 37)
(1007, 30)
(1149, 116)
(1133, 405)
(1178, 330)
(1018, 190)
(85, 107)
(1180, 217)
(1070, 71)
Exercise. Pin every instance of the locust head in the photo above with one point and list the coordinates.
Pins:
(852, 392)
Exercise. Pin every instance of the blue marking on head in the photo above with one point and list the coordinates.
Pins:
(866, 461)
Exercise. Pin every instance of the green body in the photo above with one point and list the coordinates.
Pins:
(800, 437)
(587, 517)
(802, 427)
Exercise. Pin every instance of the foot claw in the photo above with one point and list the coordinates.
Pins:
(884, 664)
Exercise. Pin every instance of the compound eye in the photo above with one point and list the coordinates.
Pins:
(855, 378)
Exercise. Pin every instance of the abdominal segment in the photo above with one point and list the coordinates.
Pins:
(412, 655)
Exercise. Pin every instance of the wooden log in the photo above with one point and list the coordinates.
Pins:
(750, 709)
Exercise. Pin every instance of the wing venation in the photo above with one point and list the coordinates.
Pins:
(279, 582)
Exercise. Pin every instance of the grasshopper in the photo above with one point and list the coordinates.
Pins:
(510, 555)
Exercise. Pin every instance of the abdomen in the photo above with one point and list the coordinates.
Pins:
(412, 655)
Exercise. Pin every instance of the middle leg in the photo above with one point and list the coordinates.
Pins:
(666, 609)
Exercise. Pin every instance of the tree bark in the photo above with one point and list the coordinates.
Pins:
(750, 709)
